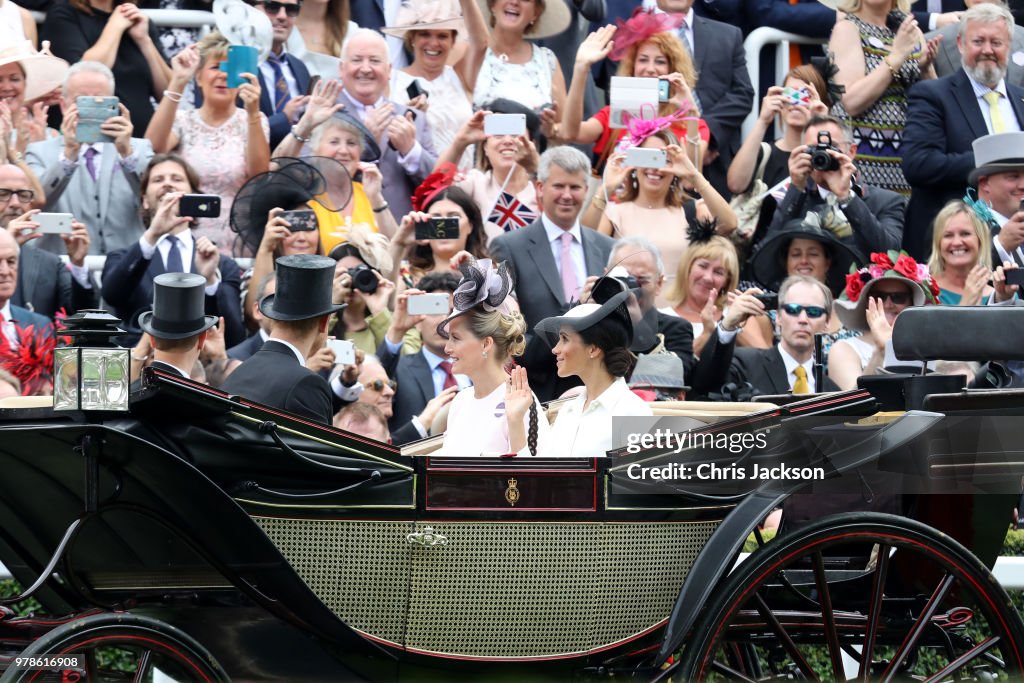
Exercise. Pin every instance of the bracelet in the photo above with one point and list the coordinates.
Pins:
(172, 96)
(599, 201)
(892, 70)
(380, 209)
(295, 134)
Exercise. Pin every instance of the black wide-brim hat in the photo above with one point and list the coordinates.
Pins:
(769, 261)
(585, 316)
(178, 312)
(305, 285)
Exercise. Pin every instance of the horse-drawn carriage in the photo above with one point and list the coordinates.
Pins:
(214, 539)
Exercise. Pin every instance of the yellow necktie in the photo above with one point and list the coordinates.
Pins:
(801, 386)
(998, 124)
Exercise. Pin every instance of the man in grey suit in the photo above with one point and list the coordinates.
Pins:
(551, 258)
(98, 183)
(408, 153)
(948, 59)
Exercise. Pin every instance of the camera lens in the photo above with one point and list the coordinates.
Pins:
(363, 279)
(821, 160)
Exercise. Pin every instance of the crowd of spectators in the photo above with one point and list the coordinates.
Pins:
(887, 172)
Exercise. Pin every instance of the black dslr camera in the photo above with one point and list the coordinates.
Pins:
(364, 278)
(821, 160)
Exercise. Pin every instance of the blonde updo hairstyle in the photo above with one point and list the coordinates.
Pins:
(508, 330)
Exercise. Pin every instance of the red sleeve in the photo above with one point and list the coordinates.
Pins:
(602, 117)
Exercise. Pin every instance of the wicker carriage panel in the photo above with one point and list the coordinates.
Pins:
(360, 570)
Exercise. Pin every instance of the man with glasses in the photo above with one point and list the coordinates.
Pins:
(284, 79)
(379, 391)
(805, 305)
(44, 284)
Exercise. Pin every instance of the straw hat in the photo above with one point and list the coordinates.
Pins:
(425, 15)
(43, 71)
(554, 20)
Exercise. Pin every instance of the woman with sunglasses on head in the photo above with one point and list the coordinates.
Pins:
(592, 342)
(961, 259)
(873, 298)
(499, 414)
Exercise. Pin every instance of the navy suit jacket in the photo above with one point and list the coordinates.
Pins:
(23, 318)
(943, 119)
(45, 285)
(806, 17)
(274, 377)
(128, 289)
(368, 13)
(279, 123)
(415, 389)
(247, 348)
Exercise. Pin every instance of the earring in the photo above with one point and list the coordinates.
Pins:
(634, 181)
(485, 354)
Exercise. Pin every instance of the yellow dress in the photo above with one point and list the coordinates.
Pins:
(334, 225)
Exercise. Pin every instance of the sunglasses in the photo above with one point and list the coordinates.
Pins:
(811, 311)
(272, 7)
(898, 298)
(379, 384)
(23, 195)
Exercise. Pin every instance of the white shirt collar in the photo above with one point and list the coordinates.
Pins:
(184, 236)
(264, 335)
(298, 354)
(360, 107)
(980, 88)
(6, 310)
(433, 360)
(555, 233)
(608, 398)
(791, 365)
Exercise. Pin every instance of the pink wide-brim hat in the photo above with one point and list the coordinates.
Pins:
(427, 15)
(43, 71)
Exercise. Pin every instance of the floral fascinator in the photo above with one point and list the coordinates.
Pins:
(482, 285)
(434, 184)
(643, 24)
(891, 265)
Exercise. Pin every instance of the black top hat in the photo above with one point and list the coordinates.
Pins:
(179, 301)
(769, 262)
(305, 284)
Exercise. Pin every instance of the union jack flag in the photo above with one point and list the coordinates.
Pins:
(511, 214)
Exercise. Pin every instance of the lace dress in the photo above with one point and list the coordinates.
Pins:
(449, 107)
(878, 131)
(218, 155)
(528, 84)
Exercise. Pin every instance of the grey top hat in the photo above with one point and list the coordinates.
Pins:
(997, 153)
(305, 284)
(179, 301)
(659, 371)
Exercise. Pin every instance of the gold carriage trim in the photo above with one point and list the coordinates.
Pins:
(502, 590)
(512, 493)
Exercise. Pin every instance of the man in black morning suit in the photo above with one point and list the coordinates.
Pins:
(177, 324)
(300, 310)
(540, 287)
(784, 368)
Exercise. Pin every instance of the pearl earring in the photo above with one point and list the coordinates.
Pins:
(485, 354)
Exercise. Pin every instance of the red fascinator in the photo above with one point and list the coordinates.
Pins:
(642, 25)
(435, 183)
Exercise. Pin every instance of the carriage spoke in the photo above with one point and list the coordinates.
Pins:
(874, 612)
(92, 667)
(143, 665)
(827, 617)
(732, 673)
(919, 626)
(780, 633)
(966, 657)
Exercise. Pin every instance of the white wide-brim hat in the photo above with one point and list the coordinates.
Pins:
(43, 71)
(427, 15)
(853, 314)
(554, 20)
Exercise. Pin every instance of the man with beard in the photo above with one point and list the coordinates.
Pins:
(946, 115)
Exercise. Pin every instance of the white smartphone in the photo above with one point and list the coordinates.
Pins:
(428, 304)
(505, 124)
(53, 223)
(645, 157)
(344, 351)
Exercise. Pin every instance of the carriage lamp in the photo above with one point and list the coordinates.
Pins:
(93, 372)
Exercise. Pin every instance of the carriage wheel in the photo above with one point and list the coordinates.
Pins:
(860, 597)
(121, 647)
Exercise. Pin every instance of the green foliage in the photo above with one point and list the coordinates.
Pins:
(9, 588)
(1013, 546)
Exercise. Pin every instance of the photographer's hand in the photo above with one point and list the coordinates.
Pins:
(799, 167)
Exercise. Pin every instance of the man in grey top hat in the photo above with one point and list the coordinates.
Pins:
(999, 177)
(177, 324)
(300, 309)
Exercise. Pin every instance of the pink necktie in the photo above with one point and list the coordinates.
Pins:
(449, 378)
(569, 283)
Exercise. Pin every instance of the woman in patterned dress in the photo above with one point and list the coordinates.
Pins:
(879, 52)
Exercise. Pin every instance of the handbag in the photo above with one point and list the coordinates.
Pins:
(747, 206)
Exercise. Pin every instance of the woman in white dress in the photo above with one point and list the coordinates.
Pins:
(498, 415)
(592, 342)
(430, 30)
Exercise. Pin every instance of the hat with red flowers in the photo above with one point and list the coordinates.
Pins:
(890, 265)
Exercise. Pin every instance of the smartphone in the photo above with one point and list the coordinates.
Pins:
(199, 206)
(770, 301)
(795, 96)
(344, 351)
(438, 228)
(429, 304)
(313, 80)
(54, 223)
(92, 112)
(1014, 276)
(415, 90)
(663, 90)
(301, 219)
(241, 59)
(505, 124)
(644, 157)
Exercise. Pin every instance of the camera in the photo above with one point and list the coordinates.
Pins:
(821, 160)
(364, 278)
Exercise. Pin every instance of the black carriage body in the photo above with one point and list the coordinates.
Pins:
(294, 551)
